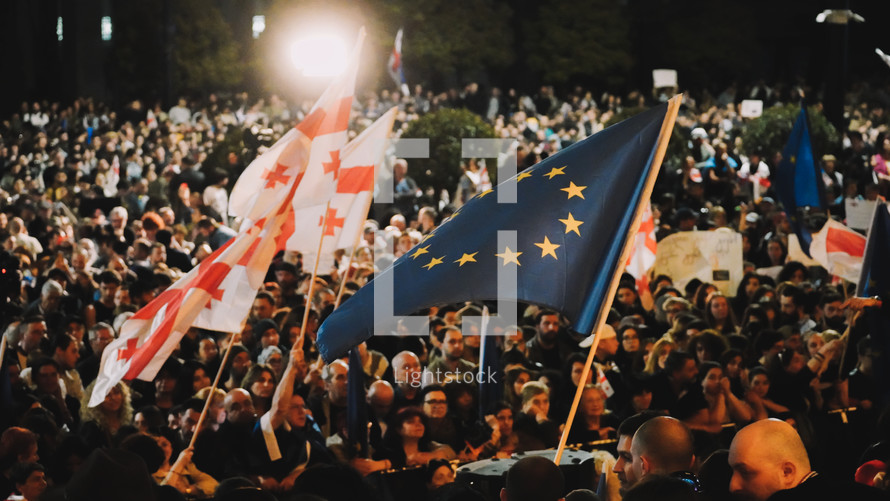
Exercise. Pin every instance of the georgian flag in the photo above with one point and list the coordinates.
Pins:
(645, 247)
(217, 294)
(395, 64)
(264, 182)
(348, 208)
(839, 250)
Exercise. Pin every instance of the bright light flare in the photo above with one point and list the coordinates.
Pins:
(319, 55)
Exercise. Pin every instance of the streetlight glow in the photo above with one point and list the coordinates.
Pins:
(318, 55)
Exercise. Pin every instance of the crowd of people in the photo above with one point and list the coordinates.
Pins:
(706, 394)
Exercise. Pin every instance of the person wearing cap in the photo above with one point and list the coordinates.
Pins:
(830, 175)
(287, 276)
(701, 150)
(686, 219)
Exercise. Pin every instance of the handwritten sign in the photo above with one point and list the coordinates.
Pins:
(859, 213)
(752, 108)
(710, 256)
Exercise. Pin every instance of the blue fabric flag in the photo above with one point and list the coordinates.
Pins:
(491, 382)
(799, 179)
(875, 281)
(356, 410)
(572, 216)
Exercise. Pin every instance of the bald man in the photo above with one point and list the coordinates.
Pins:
(769, 461)
(662, 446)
(407, 376)
(380, 399)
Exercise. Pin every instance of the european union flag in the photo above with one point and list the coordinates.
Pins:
(571, 218)
(875, 281)
(798, 178)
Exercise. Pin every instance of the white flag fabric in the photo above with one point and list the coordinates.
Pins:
(263, 183)
(644, 250)
(216, 294)
(839, 250)
(300, 170)
(348, 208)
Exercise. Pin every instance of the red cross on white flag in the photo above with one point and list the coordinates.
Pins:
(323, 132)
(348, 208)
(645, 246)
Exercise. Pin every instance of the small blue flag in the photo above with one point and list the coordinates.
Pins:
(356, 410)
(570, 220)
(799, 179)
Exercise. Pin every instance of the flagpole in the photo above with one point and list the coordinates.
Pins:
(324, 223)
(222, 366)
(667, 128)
(346, 273)
(2, 350)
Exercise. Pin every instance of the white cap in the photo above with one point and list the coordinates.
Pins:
(608, 333)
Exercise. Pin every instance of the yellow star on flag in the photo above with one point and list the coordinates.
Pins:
(510, 257)
(523, 175)
(433, 262)
(555, 172)
(486, 192)
(574, 190)
(572, 224)
(419, 251)
(548, 248)
(427, 237)
(467, 258)
(793, 159)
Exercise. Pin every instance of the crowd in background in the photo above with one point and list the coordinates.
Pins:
(101, 209)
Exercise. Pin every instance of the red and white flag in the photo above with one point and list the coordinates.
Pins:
(217, 294)
(299, 171)
(264, 182)
(348, 208)
(839, 250)
(643, 256)
(394, 65)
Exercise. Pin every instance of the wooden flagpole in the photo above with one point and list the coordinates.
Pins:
(324, 223)
(213, 387)
(343, 278)
(667, 128)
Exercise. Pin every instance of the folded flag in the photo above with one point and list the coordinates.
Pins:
(571, 221)
(839, 250)
(348, 207)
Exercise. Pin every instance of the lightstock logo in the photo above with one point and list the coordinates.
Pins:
(504, 150)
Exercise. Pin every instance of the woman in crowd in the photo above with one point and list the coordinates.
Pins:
(660, 351)
(406, 444)
(593, 422)
(102, 422)
(719, 315)
(762, 406)
(260, 383)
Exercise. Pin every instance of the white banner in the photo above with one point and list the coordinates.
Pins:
(664, 78)
(710, 256)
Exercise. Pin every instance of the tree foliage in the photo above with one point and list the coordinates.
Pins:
(445, 129)
(769, 132)
(571, 39)
(445, 39)
(136, 63)
(205, 55)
